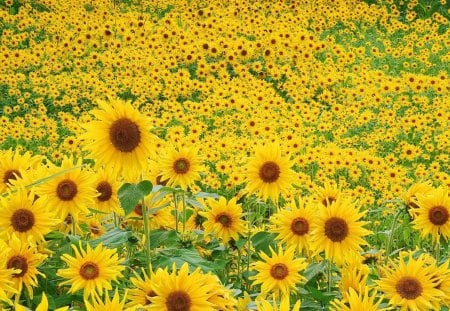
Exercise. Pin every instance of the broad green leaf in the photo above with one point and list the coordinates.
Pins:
(131, 194)
(113, 238)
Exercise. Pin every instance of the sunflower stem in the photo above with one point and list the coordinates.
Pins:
(184, 210)
(391, 235)
(329, 268)
(437, 251)
(175, 202)
(147, 234)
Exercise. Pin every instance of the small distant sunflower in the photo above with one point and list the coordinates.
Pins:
(70, 193)
(268, 173)
(294, 225)
(120, 138)
(279, 273)
(359, 301)
(410, 284)
(25, 259)
(410, 197)
(328, 194)
(223, 219)
(433, 215)
(92, 270)
(106, 185)
(338, 231)
(25, 216)
(181, 166)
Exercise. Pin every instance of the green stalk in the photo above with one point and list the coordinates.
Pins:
(184, 211)
(329, 276)
(391, 234)
(175, 201)
(147, 235)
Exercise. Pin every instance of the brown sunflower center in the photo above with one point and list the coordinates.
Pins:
(22, 220)
(89, 270)
(224, 219)
(181, 166)
(68, 219)
(125, 135)
(138, 209)
(11, 175)
(178, 301)
(409, 287)
(438, 215)
(94, 229)
(66, 190)
(18, 262)
(269, 172)
(105, 190)
(327, 201)
(300, 226)
(279, 271)
(336, 229)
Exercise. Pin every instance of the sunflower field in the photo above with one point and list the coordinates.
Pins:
(193, 155)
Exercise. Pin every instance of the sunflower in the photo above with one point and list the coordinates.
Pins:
(354, 276)
(120, 138)
(42, 306)
(108, 304)
(181, 291)
(283, 305)
(328, 194)
(359, 301)
(279, 273)
(268, 174)
(433, 215)
(71, 191)
(410, 197)
(25, 216)
(294, 225)
(92, 270)
(223, 219)
(106, 185)
(142, 291)
(13, 165)
(180, 166)
(338, 231)
(411, 284)
(25, 259)
(6, 275)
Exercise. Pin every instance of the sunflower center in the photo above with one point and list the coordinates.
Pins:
(178, 301)
(68, 219)
(409, 287)
(124, 135)
(279, 271)
(224, 219)
(336, 229)
(138, 209)
(18, 262)
(181, 166)
(22, 220)
(328, 200)
(300, 226)
(94, 229)
(11, 175)
(105, 190)
(438, 215)
(269, 172)
(89, 270)
(66, 190)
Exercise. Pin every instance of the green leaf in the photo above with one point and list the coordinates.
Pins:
(262, 241)
(131, 194)
(314, 269)
(113, 238)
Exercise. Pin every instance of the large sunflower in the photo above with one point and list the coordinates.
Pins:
(71, 191)
(294, 225)
(6, 274)
(142, 290)
(268, 174)
(25, 216)
(338, 231)
(107, 186)
(120, 138)
(411, 284)
(92, 270)
(433, 215)
(279, 273)
(180, 166)
(223, 219)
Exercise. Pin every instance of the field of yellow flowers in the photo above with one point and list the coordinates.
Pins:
(193, 155)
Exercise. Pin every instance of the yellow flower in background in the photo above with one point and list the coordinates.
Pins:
(91, 270)
(120, 138)
(108, 304)
(6, 274)
(268, 174)
(43, 306)
(180, 166)
(359, 301)
(106, 185)
(274, 305)
(279, 273)
(141, 291)
(223, 219)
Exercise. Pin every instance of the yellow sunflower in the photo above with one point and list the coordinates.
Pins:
(25, 259)
(268, 174)
(359, 301)
(410, 197)
(142, 290)
(274, 305)
(92, 270)
(180, 166)
(107, 185)
(108, 304)
(13, 165)
(354, 276)
(120, 139)
(433, 215)
(71, 192)
(328, 194)
(279, 273)
(25, 216)
(6, 275)
(338, 231)
(42, 306)
(411, 284)
(293, 225)
(223, 219)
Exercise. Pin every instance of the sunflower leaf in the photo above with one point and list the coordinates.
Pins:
(131, 194)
